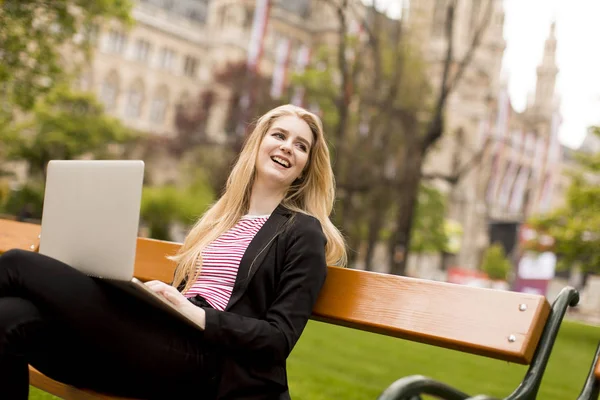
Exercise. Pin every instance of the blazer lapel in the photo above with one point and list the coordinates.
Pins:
(256, 252)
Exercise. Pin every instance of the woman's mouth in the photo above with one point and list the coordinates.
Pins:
(284, 163)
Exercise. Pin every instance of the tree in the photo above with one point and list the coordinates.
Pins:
(33, 36)
(429, 230)
(575, 227)
(64, 125)
(245, 94)
(385, 116)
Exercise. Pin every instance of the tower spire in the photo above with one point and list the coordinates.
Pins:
(546, 74)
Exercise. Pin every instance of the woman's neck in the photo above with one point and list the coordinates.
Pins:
(263, 200)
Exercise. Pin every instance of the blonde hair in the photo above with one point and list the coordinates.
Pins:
(313, 194)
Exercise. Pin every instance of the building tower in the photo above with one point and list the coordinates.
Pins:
(543, 102)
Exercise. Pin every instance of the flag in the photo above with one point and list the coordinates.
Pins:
(539, 156)
(546, 194)
(553, 158)
(516, 202)
(257, 35)
(302, 60)
(282, 57)
(507, 183)
(500, 133)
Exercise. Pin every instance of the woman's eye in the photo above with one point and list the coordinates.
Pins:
(279, 135)
(302, 147)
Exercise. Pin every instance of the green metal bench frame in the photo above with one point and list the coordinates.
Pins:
(591, 388)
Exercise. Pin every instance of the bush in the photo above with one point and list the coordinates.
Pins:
(164, 205)
(495, 264)
(25, 203)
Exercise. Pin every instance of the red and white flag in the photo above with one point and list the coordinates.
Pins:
(546, 194)
(282, 57)
(302, 60)
(507, 183)
(516, 202)
(257, 35)
(500, 135)
(538, 158)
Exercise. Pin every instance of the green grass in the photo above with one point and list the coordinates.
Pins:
(332, 363)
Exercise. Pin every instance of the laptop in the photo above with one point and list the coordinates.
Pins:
(90, 221)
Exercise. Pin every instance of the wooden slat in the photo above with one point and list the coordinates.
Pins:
(597, 370)
(151, 262)
(41, 381)
(18, 235)
(472, 320)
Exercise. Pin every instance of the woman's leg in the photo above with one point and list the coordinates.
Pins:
(85, 332)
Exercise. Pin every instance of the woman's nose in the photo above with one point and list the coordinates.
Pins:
(285, 147)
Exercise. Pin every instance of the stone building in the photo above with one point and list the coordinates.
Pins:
(168, 57)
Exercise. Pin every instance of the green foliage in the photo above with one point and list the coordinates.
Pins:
(35, 36)
(164, 205)
(576, 226)
(29, 198)
(64, 125)
(429, 234)
(495, 264)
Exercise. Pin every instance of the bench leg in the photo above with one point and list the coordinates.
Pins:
(591, 389)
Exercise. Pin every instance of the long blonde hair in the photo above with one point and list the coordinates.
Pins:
(313, 194)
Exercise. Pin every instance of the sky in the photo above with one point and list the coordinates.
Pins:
(526, 27)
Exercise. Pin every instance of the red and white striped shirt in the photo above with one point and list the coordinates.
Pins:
(221, 261)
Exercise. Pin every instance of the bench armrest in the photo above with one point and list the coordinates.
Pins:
(568, 297)
(411, 387)
(591, 389)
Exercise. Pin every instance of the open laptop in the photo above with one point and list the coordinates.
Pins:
(90, 221)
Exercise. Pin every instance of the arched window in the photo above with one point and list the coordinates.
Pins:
(110, 91)
(134, 100)
(158, 105)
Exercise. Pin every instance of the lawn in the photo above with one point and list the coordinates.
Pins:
(331, 363)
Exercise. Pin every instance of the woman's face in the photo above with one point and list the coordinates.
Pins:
(283, 152)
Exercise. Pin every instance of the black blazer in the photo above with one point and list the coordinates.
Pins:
(279, 279)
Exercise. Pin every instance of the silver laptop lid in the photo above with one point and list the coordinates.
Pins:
(91, 215)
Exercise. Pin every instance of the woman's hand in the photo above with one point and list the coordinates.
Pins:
(172, 295)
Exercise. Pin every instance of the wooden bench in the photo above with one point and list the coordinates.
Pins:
(510, 326)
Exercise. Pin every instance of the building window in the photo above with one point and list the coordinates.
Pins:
(135, 96)
(166, 59)
(158, 109)
(191, 66)
(116, 41)
(110, 91)
(141, 51)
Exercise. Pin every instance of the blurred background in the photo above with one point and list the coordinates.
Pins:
(462, 132)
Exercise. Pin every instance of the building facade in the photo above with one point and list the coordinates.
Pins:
(169, 56)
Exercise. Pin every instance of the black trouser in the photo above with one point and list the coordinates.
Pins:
(84, 332)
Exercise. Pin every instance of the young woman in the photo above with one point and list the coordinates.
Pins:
(249, 272)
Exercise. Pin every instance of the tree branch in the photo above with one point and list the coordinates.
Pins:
(474, 45)
(436, 126)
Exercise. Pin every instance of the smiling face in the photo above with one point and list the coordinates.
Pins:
(283, 152)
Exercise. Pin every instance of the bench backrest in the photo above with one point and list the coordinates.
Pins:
(498, 324)
(18, 235)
